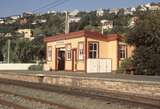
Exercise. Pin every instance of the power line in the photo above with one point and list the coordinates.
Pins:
(58, 4)
(47, 5)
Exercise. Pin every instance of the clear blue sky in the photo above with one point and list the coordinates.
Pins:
(13, 7)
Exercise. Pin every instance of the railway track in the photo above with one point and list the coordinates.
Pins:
(44, 102)
(148, 103)
(11, 105)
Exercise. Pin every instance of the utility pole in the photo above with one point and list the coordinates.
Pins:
(66, 23)
(8, 51)
(102, 29)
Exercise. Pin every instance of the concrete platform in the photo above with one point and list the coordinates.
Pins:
(118, 77)
(145, 86)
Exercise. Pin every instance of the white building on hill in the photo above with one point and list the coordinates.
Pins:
(106, 25)
(114, 11)
(74, 13)
(27, 33)
(100, 12)
(74, 19)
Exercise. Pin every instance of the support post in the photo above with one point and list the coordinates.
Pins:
(66, 23)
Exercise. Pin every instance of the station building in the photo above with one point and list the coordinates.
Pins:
(86, 51)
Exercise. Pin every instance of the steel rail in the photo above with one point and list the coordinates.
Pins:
(60, 106)
(11, 104)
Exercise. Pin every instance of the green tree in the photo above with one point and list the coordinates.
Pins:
(146, 39)
(54, 25)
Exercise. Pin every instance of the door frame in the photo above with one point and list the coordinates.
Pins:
(74, 59)
(56, 58)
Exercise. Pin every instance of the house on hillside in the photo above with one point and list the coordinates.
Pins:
(2, 21)
(114, 11)
(52, 12)
(100, 12)
(133, 9)
(27, 33)
(107, 24)
(74, 19)
(74, 13)
(85, 51)
(23, 21)
(27, 14)
(154, 7)
(142, 8)
(127, 11)
(132, 21)
(15, 17)
(39, 21)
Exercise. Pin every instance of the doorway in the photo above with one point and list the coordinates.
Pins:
(74, 59)
(60, 59)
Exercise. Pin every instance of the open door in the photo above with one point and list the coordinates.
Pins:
(60, 59)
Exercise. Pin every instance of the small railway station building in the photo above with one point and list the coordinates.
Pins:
(85, 51)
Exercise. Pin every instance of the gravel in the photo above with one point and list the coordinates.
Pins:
(5, 107)
(64, 99)
(24, 102)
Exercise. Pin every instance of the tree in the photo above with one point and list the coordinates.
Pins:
(146, 39)
(38, 47)
(54, 25)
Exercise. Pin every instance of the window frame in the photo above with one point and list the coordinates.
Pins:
(122, 52)
(68, 52)
(97, 50)
(49, 52)
(79, 50)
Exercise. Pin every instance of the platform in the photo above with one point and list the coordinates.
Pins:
(131, 84)
(127, 77)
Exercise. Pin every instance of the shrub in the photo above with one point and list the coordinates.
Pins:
(36, 67)
(146, 61)
(126, 65)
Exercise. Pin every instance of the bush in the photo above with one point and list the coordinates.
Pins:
(146, 61)
(126, 65)
(36, 67)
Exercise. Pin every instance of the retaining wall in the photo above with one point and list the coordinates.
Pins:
(142, 88)
(17, 66)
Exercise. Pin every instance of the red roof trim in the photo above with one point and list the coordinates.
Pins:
(84, 33)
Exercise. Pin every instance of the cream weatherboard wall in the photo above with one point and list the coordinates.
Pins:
(51, 64)
(112, 48)
(74, 44)
(61, 44)
(109, 50)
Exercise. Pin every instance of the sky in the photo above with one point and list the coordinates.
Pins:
(15, 7)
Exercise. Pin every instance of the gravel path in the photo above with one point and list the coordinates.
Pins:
(64, 99)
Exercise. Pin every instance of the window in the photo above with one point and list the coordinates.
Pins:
(49, 53)
(68, 50)
(81, 51)
(93, 48)
(122, 52)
